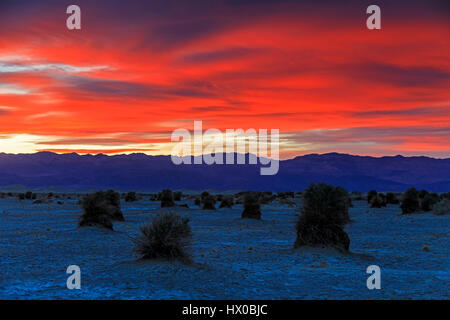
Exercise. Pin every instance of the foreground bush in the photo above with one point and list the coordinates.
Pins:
(442, 207)
(100, 209)
(166, 197)
(252, 207)
(166, 236)
(410, 201)
(227, 201)
(323, 216)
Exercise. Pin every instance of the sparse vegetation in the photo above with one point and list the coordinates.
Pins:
(442, 207)
(209, 202)
(252, 207)
(166, 236)
(227, 201)
(323, 216)
(371, 194)
(428, 201)
(410, 201)
(166, 197)
(391, 198)
(378, 201)
(131, 197)
(177, 196)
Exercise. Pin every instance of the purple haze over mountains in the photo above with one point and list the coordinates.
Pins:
(151, 173)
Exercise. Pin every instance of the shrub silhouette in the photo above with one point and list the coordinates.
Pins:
(100, 209)
(323, 216)
(227, 201)
(410, 201)
(422, 193)
(266, 197)
(252, 207)
(21, 196)
(166, 197)
(177, 196)
(166, 236)
(131, 197)
(442, 207)
(378, 201)
(427, 203)
(197, 202)
(209, 202)
(391, 198)
(370, 195)
(204, 195)
(445, 195)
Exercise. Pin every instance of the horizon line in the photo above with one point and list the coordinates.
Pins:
(168, 155)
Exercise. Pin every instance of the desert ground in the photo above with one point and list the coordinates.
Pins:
(232, 258)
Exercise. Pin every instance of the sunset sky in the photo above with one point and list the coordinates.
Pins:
(140, 69)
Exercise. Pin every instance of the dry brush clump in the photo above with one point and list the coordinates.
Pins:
(227, 201)
(391, 198)
(428, 201)
(442, 207)
(410, 201)
(166, 197)
(177, 195)
(167, 236)
(131, 197)
(252, 206)
(370, 195)
(323, 216)
(378, 201)
(101, 209)
(208, 202)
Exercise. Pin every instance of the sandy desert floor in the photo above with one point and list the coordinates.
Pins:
(233, 258)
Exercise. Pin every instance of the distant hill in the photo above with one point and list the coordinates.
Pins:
(150, 173)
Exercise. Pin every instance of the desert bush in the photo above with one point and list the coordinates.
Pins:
(166, 197)
(227, 201)
(209, 202)
(323, 216)
(252, 207)
(131, 197)
(197, 202)
(410, 201)
(445, 195)
(287, 201)
(391, 198)
(378, 201)
(442, 207)
(21, 196)
(427, 202)
(422, 193)
(166, 236)
(177, 196)
(100, 209)
(266, 197)
(370, 195)
(356, 195)
(285, 195)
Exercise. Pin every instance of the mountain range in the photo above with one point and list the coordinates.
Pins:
(142, 172)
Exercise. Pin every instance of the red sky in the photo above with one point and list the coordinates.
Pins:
(137, 71)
